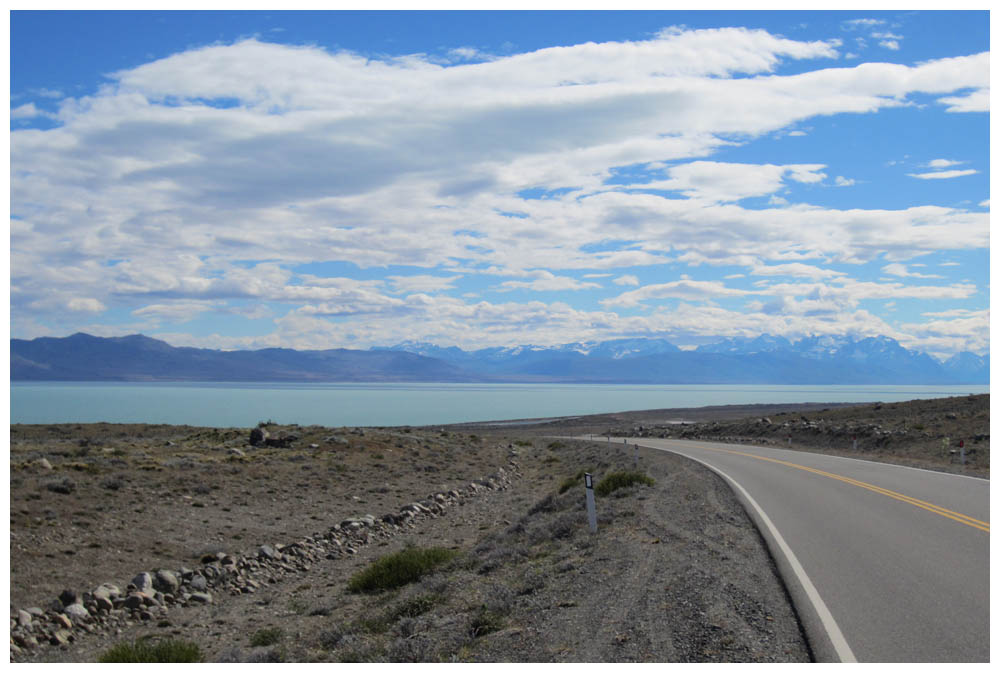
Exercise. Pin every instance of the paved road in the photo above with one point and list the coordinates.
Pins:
(897, 558)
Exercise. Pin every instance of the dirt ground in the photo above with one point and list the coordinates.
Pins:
(676, 571)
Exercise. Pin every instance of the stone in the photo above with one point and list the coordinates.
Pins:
(199, 583)
(201, 597)
(68, 597)
(77, 611)
(166, 581)
(60, 638)
(258, 436)
(103, 603)
(143, 582)
(62, 620)
(267, 551)
(35, 612)
(107, 590)
(44, 464)
(24, 618)
(134, 601)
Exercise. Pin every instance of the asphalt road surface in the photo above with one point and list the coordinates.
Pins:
(884, 563)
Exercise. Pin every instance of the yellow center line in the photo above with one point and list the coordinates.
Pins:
(923, 504)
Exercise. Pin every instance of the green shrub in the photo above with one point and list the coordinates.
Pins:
(266, 637)
(398, 569)
(522, 442)
(617, 480)
(557, 445)
(144, 651)
(570, 482)
(486, 621)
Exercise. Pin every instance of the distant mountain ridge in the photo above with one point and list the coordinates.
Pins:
(764, 359)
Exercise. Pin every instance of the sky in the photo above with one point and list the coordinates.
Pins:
(340, 179)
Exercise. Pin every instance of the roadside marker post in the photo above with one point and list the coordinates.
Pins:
(855, 442)
(961, 446)
(591, 506)
(635, 456)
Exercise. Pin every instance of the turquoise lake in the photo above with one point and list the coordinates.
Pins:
(383, 404)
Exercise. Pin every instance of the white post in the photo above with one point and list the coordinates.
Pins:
(855, 443)
(591, 507)
(961, 446)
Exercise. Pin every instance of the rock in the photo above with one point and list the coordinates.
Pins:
(234, 451)
(199, 583)
(107, 590)
(134, 601)
(24, 618)
(77, 611)
(201, 597)
(104, 603)
(62, 620)
(166, 581)
(267, 551)
(35, 612)
(143, 582)
(43, 463)
(68, 597)
(60, 638)
(258, 436)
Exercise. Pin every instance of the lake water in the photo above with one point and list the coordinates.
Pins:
(374, 404)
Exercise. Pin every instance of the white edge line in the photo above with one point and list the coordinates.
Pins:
(829, 623)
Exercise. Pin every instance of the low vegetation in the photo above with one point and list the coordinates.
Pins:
(396, 570)
(267, 637)
(147, 651)
(618, 480)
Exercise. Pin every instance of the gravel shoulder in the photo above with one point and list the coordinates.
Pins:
(676, 571)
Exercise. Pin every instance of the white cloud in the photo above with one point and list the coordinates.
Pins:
(422, 283)
(841, 181)
(943, 175)
(627, 279)
(147, 198)
(795, 269)
(897, 269)
(26, 111)
(943, 163)
(175, 312)
(975, 101)
(717, 181)
(679, 289)
(889, 44)
(862, 23)
(796, 133)
(546, 281)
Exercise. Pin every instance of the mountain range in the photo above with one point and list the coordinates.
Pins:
(762, 360)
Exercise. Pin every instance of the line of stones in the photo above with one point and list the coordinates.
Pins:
(150, 596)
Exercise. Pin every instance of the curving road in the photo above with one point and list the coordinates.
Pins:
(884, 563)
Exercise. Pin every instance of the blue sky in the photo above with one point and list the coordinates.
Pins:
(352, 179)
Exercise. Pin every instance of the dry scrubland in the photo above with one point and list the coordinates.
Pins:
(261, 544)
(258, 553)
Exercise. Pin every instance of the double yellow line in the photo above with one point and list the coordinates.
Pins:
(923, 504)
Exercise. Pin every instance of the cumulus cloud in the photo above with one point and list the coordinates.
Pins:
(206, 178)
(977, 100)
(897, 269)
(943, 163)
